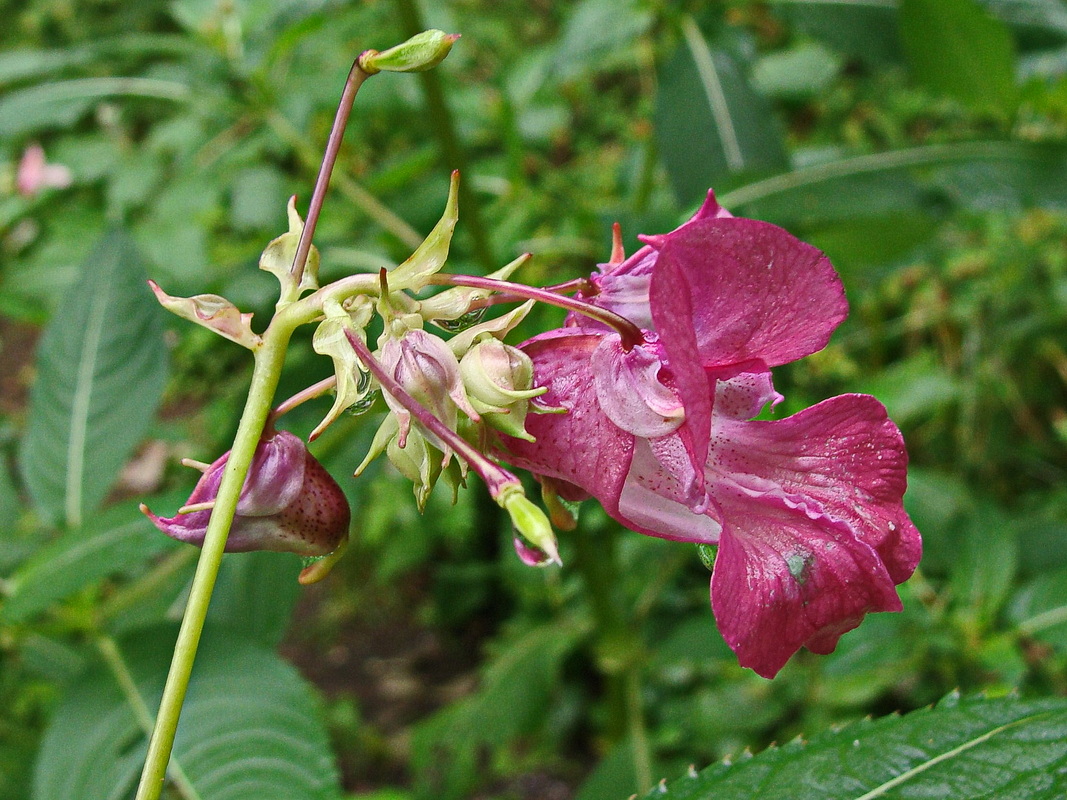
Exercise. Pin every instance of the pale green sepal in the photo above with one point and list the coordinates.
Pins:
(353, 380)
(212, 312)
(431, 255)
(454, 303)
(277, 259)
(419, 53)
(386, 432)
(498, 327)
(418, 461)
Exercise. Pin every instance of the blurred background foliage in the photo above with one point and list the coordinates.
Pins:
(921, 143)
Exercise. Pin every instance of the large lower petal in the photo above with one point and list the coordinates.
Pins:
(844, 457)
(581, 446)
(786, 577)
(751, 290)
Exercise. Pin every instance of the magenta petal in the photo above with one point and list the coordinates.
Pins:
(275, 477)
(629, 389)
(842, 456)
(745, 394)
(754, 291)
(582, 447)
(786, 577)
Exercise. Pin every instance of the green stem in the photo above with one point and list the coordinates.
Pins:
(268, 366)
(117, 664)
(451, 150)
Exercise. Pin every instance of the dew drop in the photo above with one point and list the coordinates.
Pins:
(461, 323)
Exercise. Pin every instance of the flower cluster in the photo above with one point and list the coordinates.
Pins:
(806, 511)
(645, 400)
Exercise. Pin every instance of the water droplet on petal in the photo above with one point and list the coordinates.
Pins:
(461, 323)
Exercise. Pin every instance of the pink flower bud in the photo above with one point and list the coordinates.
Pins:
(289, 503)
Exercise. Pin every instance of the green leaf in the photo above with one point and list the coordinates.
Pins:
(599, 35)
(255, 593)
(956, 48)
(993, 174)
(959, 749)
(1040, 23)
(985, 565)
(710, 123)
(797, 74)
(865, 29)
(514, 698)
(249, 728)
(62, 103)
(1039, 609)
(101, 367)
(111, 542)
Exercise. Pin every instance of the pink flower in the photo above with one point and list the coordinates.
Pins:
(289, 503)
(35, 174)
(806, 511)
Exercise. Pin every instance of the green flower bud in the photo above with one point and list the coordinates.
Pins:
(419, 53)
(499, 381)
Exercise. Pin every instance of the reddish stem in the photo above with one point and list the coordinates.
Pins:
(356, 76)
(631, 335)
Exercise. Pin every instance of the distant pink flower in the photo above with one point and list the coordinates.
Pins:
(289, 503)
(806, 511)
(35, 174)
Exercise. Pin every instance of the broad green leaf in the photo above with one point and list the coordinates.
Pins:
(62, 103)
(710, 123)
(959, 749)
(956, 48)
(25, 64)
(112, 542)
(255, 593)
(101, 366)
(249, 728)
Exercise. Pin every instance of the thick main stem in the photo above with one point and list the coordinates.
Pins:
(265, 376)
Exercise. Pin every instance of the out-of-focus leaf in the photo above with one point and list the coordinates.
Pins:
(257, 198)
(255, 594)
(61, 104)
(974, 175)
(26, 64)
(970, 748)
(110, 543)
(913, 388)
(796, 74)
(101, 366)
(1039, 609)
(710, 123)
(599, 35)
(614, 776)
(937, 504)
(1036, 22)
(513, 699)
(865, 29)
(249, 731)
(955, 47)
(982, 573)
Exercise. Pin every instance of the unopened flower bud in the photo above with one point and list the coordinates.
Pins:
(289, 503)
(418, 54)
(499, 380)
(535, 543)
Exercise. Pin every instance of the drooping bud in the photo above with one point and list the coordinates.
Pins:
(419, 53)
(499, 380)
(277, 259)
(289, 503)
(535, 543)
(212, 312)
